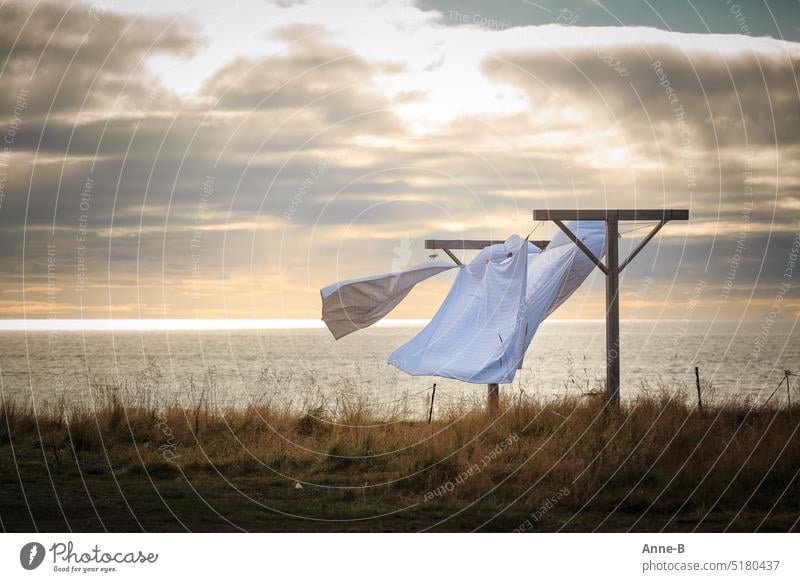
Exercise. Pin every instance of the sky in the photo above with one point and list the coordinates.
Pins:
(227, 160)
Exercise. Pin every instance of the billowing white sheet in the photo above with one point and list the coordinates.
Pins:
(473, 337)
(486, 323)
(351, 305)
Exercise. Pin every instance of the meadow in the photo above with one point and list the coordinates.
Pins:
(126, 462)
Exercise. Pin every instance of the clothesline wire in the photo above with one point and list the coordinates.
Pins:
(535, 226)
(648, 225)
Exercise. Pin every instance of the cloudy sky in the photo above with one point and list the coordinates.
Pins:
(226, 160)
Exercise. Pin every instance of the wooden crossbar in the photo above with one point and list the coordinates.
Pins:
(660, 214)
(472, 245)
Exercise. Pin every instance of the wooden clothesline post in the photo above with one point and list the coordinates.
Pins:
(611, 269)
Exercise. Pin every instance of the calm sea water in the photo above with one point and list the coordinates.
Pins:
(306, 367)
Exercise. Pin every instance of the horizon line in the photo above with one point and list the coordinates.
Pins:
(234, 324)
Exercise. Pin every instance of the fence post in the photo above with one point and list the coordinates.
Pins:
(433, 395)
(699, 394)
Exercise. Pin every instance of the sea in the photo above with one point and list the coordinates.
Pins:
(305, 368)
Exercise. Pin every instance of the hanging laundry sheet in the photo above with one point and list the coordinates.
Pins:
(482, 330)
(474, 335)
(484, 327)
(358, 303)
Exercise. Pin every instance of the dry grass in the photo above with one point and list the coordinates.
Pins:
(657, 463)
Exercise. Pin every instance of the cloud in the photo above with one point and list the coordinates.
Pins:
(316, 84)
(778, 21)
(731, 90)
(287, 170)
(71, 60)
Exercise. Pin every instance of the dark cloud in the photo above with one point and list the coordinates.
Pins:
(775, 18)
(315, 78)
(70, 59)
(728, 98)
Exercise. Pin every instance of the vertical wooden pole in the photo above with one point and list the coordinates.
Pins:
(612, 311)
(699, 395)
(493, 401)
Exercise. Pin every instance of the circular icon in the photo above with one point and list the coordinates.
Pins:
(31, 555)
